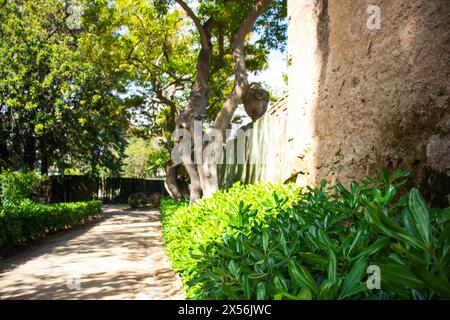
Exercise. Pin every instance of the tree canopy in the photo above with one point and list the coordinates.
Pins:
(77, 78)
(58, 90)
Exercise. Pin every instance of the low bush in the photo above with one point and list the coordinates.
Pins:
(154, 200)
(30, 221)
(188, 230)
(136, 200)
(322, 247)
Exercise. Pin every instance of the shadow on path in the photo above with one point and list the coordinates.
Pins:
(118, 257)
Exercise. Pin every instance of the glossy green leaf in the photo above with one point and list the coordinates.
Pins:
(314, 259)
(398, 277)
(261, 291)
(246, 286)
(420, 216)
(353, 280)
(332, 266)
(301, 276)
(304, 294)
(234, 269)
(265, 239)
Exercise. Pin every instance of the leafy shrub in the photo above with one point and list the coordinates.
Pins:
(18, 186)
(136, 200)
(29, 221)
(154, 199)
(188, 229)
(321, 247)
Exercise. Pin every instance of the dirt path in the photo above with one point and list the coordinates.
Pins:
(118, 257)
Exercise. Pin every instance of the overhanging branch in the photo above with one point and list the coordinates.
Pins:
(203, 36)
(240, 71)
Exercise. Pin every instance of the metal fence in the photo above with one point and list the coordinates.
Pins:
(71, 188)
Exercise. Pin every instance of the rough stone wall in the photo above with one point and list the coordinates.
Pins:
(360, 99)
(266, 152)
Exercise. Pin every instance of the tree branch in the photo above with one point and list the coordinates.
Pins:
(173, 108)
(198, 99)
(246, 25)
(221, 59)
(240, 71)
(203, 36)
(238, 44)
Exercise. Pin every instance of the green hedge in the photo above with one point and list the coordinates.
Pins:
(189, 229)
(30, 221)
(240, 245)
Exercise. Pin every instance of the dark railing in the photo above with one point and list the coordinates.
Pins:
(118, 189)
(69, 188)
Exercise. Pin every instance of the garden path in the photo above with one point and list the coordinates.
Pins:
(119, 256)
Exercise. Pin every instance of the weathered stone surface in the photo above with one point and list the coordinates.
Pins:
(266, 149)
(369, 99)
(361, 99)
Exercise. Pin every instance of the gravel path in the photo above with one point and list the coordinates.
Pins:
(118, 257)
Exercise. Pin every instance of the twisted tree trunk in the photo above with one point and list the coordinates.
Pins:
(204, 176)
(196, 107)
(171, 183)
(208, 171)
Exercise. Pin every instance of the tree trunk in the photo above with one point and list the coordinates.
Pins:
(171, 183)
(195, 109)
(44, 158)
(15, 153)
(29, 151)
(208, 172)
(204, 176)
(209, 179)
(4, 153)
(184, 187)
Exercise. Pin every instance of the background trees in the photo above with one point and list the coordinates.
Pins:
(80, 79)
(144, 159)
(59, 93)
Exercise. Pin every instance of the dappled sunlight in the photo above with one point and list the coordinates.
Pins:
(119, 257)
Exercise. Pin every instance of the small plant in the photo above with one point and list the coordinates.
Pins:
(154, 200)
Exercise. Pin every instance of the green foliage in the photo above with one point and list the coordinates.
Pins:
(166, 59)
(16, 187)
(271, 26)
(161, 56)
(144, 159)
(30, 221)
(68, 96)
(59, 87)
(319, 248)
(190, 230)
(156, 162)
